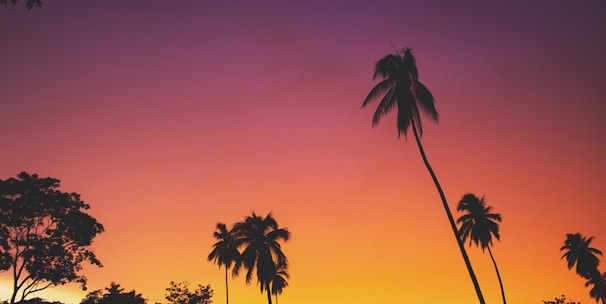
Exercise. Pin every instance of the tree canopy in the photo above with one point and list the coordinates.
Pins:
(179, 293)
(114, 294)
(45, 235)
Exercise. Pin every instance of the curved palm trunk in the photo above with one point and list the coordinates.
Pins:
(449, 214)
(226, 289)
(498, 275)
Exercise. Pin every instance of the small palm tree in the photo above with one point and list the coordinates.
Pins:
(225, 252)
(598, 291)
(279, 281)
(479, 225)
(262, 251)
(401, 88)
(579, 252)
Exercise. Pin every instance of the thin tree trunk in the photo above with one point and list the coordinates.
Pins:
(226, 289)
(498, 275)
(449, 214)
(268, 295)
(15, 277)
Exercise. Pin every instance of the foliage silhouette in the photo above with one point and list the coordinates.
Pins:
(598, 291)
(561, 300)
(279, 281)
(260, 237)
(29, 3)
(45, 235)
(400, 87)
(480, 225)
(225, 252)
(579, 252)
(36, 300)
(114, 294)
(178, 293)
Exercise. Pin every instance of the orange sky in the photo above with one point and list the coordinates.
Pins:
(170, 117)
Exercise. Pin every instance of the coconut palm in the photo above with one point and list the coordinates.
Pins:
(479, 225)
(400, 88)
(598, 291)
(279, 281)
(579, 252)
(224, 252)
(260, 237)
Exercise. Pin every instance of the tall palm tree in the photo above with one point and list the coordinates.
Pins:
(401, 88)
(279, 281)
(598, 291)
(480, 225)
(225, 252)
(579, 252)
(262, 251)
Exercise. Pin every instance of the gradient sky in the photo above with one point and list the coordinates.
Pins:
(168, 117)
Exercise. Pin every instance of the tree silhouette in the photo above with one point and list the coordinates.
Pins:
(402, 89)
(480, 225)
(114, 294)
(279, 281)
(45, 235)
(579, 252)
(225, 252)
(178, 293)
(262, 252)
(598, 290)
(561, 300)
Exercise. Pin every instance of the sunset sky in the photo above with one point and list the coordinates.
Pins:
(170, 116)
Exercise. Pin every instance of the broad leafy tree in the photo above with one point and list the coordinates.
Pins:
(225, 252)
(401, 89)
(179, 293)
(114, 294)
(480, 225)
(578, 251)
(45, 234)
(262, 253)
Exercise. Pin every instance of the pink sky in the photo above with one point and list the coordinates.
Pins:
(170, 117)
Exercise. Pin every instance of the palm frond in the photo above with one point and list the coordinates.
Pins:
(406, 108)
(426, 101)
(410, 64)
(384, 107)
(388, 66)
(379, 90)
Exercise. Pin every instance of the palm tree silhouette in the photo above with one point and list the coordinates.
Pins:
(578, 252)
(262, 252)
(401, 88)
(279, 281)
(224, 252)
(479, 225)
(598, 291)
